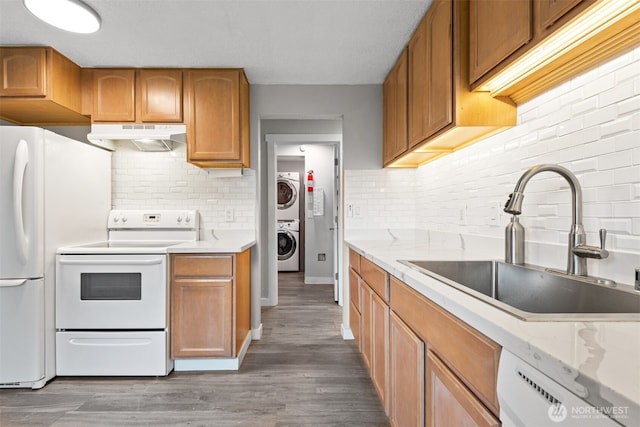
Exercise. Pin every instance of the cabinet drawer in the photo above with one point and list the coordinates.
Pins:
(375, 277)
(202, 265)
(468, 353)
(354, 260)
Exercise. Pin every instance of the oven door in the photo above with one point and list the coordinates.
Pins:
(111, 292)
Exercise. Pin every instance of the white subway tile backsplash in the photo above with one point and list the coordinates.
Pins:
(627, 175)
(620, 92)
(621, 125)
(617, 226)
(166, 181)
(627, 209)
(614, 193)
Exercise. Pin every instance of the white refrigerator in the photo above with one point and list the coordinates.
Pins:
(54, 191)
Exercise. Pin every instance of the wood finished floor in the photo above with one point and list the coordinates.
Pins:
(301, 373)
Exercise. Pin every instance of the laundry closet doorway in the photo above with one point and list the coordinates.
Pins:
(291, 155)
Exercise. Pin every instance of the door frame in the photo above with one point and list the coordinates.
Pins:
(272, 141)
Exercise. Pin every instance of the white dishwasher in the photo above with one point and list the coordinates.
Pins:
(529, 398)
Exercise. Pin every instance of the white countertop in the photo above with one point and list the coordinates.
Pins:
(220, 241)
(599, 361)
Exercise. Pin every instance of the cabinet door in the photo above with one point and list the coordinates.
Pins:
(431, 73)
(497, 28)
(214, 115)
(23, 72)
(113, 96)
(406, 375)
(354, 324)
(439, 87)
(354, 294)
(201, 318)
(379, 366)
(417, 53)
(395, 110)
(548, 12)
(366, 329)
(159, 96)
(449, 402)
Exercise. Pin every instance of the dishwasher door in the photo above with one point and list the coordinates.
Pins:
(528, 398)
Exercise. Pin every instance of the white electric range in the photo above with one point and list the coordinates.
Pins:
(112, 298)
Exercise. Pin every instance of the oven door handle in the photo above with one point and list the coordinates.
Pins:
(151, 261)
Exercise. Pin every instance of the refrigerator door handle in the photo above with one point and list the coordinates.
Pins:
(19, 170)
(12, 283)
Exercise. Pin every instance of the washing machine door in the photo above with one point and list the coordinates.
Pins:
(286, 245)
(287, 193)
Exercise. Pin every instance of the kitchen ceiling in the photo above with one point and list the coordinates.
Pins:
(275, 41)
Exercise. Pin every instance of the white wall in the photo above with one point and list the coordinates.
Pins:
(165, 180)
(590, 124)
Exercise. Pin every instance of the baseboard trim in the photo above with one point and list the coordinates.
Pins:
(256, 334)
(318, 280)
(217, 364)
(346, 333)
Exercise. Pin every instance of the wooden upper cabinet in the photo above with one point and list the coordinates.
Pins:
(549, 11)
(114, 95)
(395, 92)
(23, 71)
(159, 96)
(217, 115)
(443, 113)
(141, 96)
(497, 28)
(39, 86)
(439, 73)
(449, 402)
(431, 95)
(417, 53)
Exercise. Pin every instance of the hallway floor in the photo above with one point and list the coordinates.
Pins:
(301, 373)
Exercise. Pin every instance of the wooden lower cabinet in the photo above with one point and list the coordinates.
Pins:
(210, 304)
(202, 317)
(406, 375)
(471, 355)
(449, 402)
(427, 366)
(375, 340)
(365, 327)
(379, 366)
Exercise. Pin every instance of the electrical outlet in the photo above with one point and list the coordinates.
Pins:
(228, 214)
(350, 210)
(322, 257)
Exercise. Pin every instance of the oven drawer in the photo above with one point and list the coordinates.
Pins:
(111, 292)
(112, 353)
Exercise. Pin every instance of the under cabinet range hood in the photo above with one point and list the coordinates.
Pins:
(145, 136)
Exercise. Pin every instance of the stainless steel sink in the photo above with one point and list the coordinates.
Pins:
(534, 293)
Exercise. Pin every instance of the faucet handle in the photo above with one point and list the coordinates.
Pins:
(586, 251)
(603, 238)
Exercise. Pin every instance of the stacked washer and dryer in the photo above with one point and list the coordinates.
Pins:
(288, 221)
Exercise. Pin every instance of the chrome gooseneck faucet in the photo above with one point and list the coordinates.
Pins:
(578, 251)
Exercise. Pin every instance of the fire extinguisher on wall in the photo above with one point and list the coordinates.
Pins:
(310, 187)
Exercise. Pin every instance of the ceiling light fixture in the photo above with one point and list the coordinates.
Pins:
(600, 17)
(69, 15)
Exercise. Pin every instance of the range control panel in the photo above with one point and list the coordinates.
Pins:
(169, 219)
